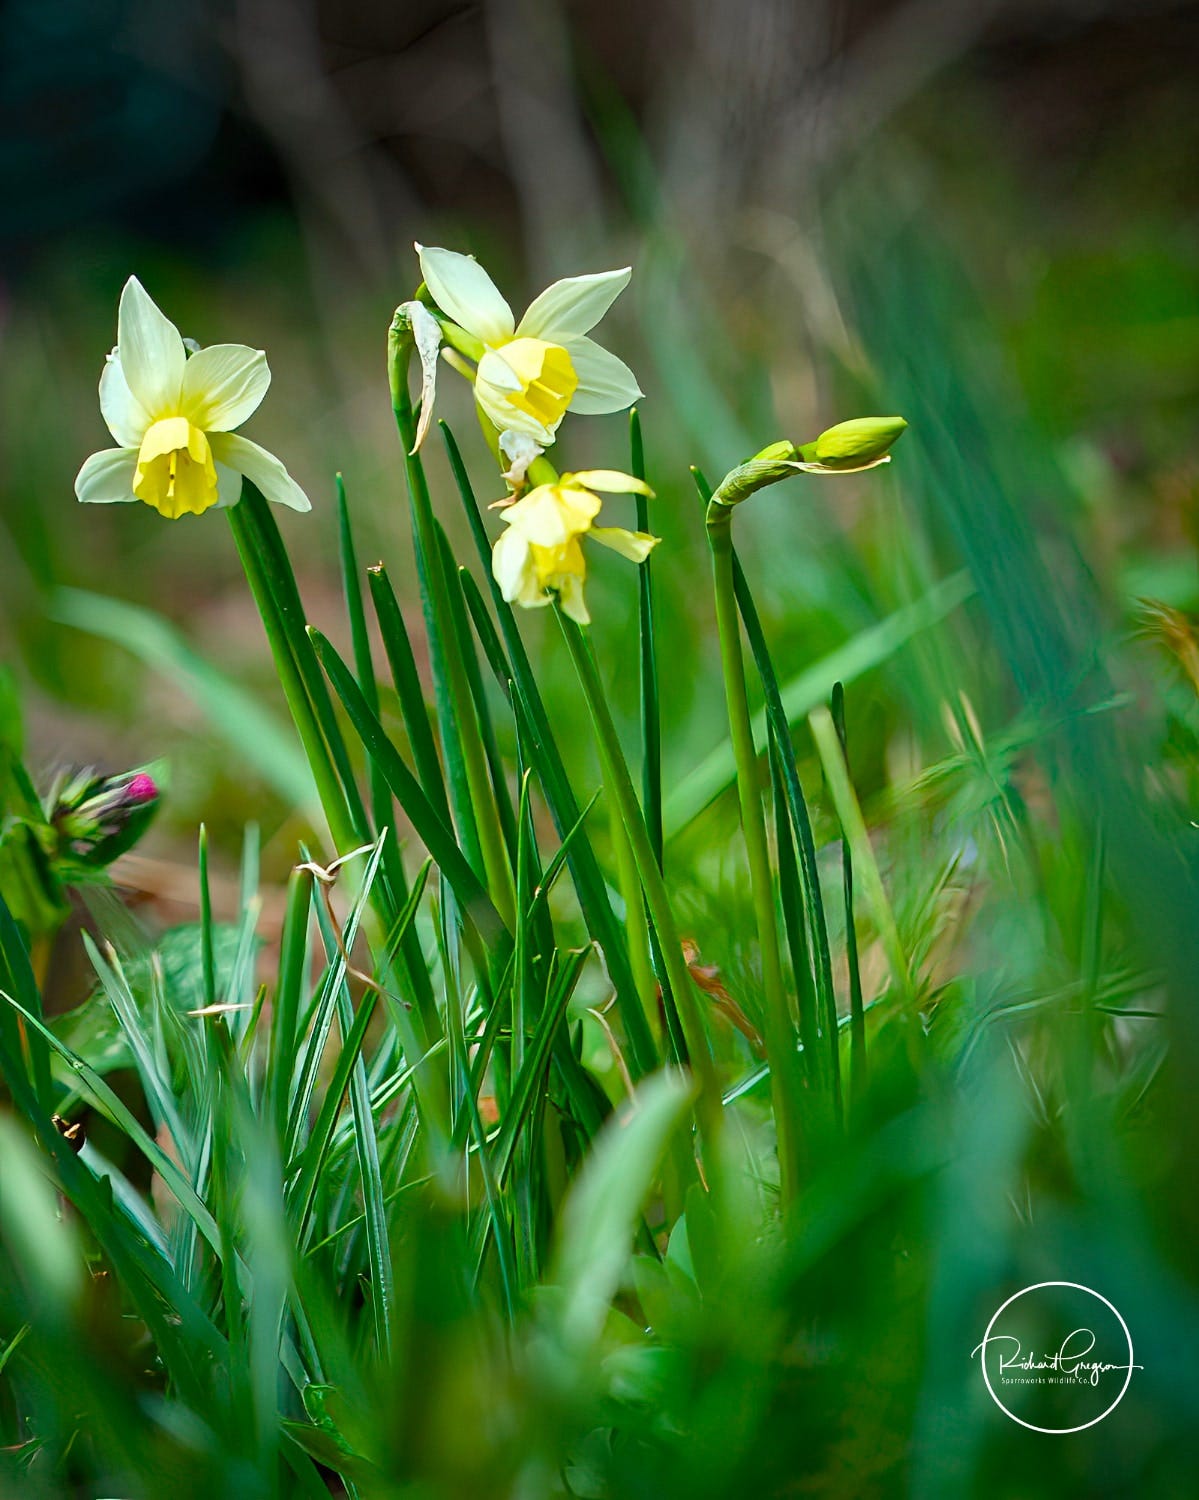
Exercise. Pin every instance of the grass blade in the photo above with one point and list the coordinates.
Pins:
(651, 721)
(407, 791)
(850, 815)
(857, 1015)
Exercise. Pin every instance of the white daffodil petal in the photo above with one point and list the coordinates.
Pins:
(610, 482)
(223, 385)
(151, 351)
(605, 382)
(494, 381)
(124, 415)
(511, 564)
(572, 306)
(228, 486)
(464, 292)
(570, 599)
(107, 477)
(260, 468)
(495, 371)
(635, 545)
(497, 375)
(501, 415)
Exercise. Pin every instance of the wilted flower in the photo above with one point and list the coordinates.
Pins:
(532, 372)
(540, 555)
(173, 417)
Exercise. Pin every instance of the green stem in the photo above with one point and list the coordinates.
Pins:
(778, 1027)
(620, 783)
(328, 785)
(651, 723)
(496, 867)
(634, 905)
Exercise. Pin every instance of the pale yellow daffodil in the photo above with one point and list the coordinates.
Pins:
(532, 372)
(540, 555)
(172, 413)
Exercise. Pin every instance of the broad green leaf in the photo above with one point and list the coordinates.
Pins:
(598, 1219)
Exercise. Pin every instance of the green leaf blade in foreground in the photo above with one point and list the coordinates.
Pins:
(599, 1217)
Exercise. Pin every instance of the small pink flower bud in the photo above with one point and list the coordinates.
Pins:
(140, 789)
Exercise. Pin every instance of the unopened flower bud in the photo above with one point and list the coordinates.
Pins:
(856, 444)
(98, 818)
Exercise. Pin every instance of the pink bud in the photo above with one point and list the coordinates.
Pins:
(140, 789)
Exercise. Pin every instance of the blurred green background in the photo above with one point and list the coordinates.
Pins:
(983, 215)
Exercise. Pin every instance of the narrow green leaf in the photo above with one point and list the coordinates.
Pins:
(850, 814)
(809, 874)
(795, 921)
(857, 1014)
(263, 529)
(293, 953)
(16, 973)
(400, 657)
(366, 1141)
(651, 723)
(598, 1219)
(412, 964)
(436, 837)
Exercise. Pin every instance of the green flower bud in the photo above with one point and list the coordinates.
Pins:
(855, 444)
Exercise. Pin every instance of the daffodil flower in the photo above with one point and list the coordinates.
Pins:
(540, 555)
(532, 372)
(172, 413)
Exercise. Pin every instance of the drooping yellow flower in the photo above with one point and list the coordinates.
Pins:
(172, 414)
(540, 554)
(532, 372)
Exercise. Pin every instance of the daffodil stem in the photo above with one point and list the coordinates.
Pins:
(620, 783)
(780, 1037)
(651, 724)
(496, 868)
(634, 911)
(328, 786)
